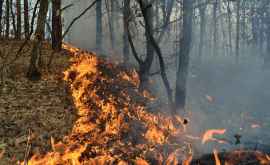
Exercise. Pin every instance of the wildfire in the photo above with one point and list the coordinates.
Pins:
(113, 125)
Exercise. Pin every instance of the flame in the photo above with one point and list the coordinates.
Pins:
(209, 135)
(113, 124)
(217, 160)
(188, 160)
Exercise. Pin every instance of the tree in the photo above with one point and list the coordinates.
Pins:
(237, 40)
(183, 57)
(19, 22)
(99, 25)
(7, 19)
(229, 13)
(126, 15)
(33, 73)
(26, 19)
(1, 14)
(202, 10)
(56, 25)
(215, 26)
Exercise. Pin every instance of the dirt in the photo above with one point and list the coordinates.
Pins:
(40, 110)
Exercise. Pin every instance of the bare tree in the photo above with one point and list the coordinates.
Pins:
(99, 25)
(56, 25)
(26, 19)
(19, 18)
(183, 57)
(237, 41)
(202, 10)
(33, 73)
(126, 15)
(1, 14)
(7, 19)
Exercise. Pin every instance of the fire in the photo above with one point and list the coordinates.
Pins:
(209, 135)
(217, 160)
(113, 125)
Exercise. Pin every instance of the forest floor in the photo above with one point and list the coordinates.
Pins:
(88, 110)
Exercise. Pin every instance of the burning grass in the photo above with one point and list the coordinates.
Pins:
(114, 124)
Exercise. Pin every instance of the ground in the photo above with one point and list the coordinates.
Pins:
(87, 110)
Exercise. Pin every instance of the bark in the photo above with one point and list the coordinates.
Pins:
(229, 12)
(33, 73)
(112, 20)
(56, 25)
(1, 14)
(126, 13)
(215, 35)
(13, 16)
(146, 65)
(183, 63)
(202, 11)
(7, 19)
(237, 40)
(26, 19)
(99, 26)
(19, 19)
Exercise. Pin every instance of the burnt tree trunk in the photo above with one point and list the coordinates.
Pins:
(215, 26)
(99, 26)
(126, 13)
(237, 40)
(146, 65)
(56, 25)
(202, 11)
(26, 19)
(19, 19)
(33, 73)
(183, 57)
(229, 12)
(1, 14)
(7, 22)
(155, 47)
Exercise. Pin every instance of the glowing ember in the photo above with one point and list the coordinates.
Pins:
(209, 135)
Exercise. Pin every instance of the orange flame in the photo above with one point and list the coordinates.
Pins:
(209, 135)
(217, 160)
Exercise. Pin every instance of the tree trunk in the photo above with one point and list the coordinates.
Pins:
(202, 10)
(237, 41)
(112, 21)
(215, 26)
(1, 14)
(33, 73)
(146, 65)
(26, 19)
(126, 13)
(7, 19)
(99, 26)
(183, 63)
(19, 19)
(229, 26)
(56, 25)
(13, 16)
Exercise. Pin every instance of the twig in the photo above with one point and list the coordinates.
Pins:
(78, 17)
(28, 148)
